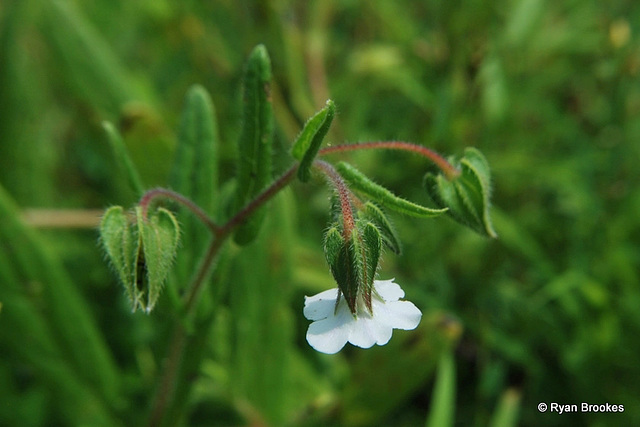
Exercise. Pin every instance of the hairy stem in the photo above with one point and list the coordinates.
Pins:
(260, 200)
(166, 388)
(150, 196)
(447, 168)
(343, 193)
(165, 394)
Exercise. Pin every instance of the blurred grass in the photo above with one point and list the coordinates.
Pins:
(548, 91)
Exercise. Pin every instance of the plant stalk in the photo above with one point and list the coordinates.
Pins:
(450, 171)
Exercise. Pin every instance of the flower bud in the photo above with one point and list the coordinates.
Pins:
(353, 260)
(468, 195)
(142, 253)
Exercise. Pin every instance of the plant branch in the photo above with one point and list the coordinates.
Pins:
(447, 168)
(150, 196)
(261, 199)
(177, 346)
(166, 389)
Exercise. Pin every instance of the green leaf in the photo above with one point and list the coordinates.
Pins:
(159, 235)
(256, 140)
(443, 402)
(506, 413)
(93, 69)
(121, 245)
(363, 184)
(195, 170)
(122, 158)
(310, 139)
(63, 315)
(468, 195)
(195, 175)
(388, 233)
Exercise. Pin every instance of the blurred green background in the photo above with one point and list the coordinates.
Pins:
(549, 312)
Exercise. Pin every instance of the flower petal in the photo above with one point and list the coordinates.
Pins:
(331, 334)
(334, 326)
(397, 314)
(388, 289)
(320, 306)
(367, 331)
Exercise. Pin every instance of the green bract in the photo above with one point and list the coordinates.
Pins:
(467, 195)
(141, 253)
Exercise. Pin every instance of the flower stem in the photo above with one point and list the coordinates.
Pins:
(343, 193)
(260, 200)
(150, 196)
(166, 388)
(447, 168)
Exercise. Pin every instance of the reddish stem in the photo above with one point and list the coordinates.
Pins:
(166, 388)
(447, 168)
(150, 196)
(261, 199)
(343, 193)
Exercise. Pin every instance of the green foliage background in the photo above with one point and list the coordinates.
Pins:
(548, 91)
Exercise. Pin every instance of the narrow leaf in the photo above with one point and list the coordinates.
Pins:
(506, 413)
(363, 184)
(195, 171)
(122, 158)
(195, 175)
(310, 139)
(443, 402)
(72, 324)
(256, 139)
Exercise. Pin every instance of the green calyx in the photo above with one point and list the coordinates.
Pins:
(467, 196)
(141, 251)
(353, 260)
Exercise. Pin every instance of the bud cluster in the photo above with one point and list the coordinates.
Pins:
(141, 251)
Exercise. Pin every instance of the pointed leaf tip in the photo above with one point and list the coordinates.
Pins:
(308, 142)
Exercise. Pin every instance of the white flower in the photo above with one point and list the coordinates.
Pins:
(334, 325)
